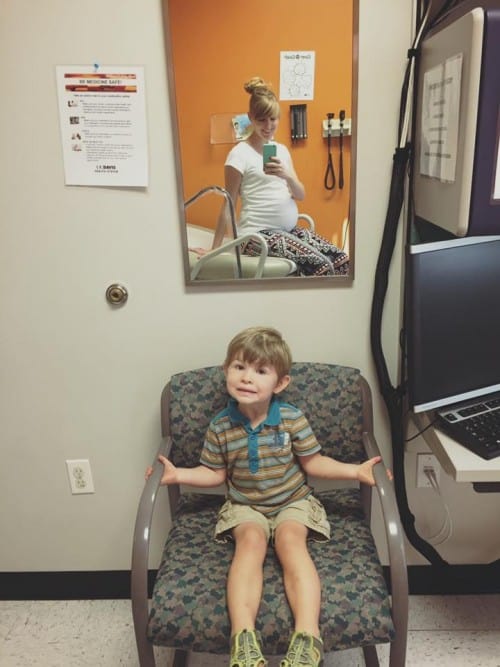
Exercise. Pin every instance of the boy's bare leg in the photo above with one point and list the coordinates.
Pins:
(301, 580)
(245, 578)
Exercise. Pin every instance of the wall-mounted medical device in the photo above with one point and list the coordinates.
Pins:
(333, 127)
(457, 166)
(298, 121)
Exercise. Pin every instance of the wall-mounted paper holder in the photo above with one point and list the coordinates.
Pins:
(332, 127)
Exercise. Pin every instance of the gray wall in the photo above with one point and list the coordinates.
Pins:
(81, 380)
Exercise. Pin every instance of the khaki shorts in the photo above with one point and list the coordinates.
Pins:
(308, 511)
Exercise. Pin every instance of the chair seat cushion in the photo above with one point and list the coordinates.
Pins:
(189, 611)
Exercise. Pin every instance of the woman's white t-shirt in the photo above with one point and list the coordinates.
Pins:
(266, 202)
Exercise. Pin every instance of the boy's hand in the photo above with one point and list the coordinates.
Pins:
(169, 471)
(365, 471)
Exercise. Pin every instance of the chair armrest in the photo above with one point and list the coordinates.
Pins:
(140, 557)
(229, 246)
(308, 219)
(395, 539)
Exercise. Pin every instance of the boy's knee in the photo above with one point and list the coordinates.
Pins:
(250, 535)
(290, 534)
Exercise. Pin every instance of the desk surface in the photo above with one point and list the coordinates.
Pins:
(456, 460)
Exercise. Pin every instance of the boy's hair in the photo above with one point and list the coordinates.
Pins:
(262, 345)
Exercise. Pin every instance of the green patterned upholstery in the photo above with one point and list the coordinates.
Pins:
(188, 608)
(328, 395)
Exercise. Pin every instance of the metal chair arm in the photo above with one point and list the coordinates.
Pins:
(396, 548)
(309, 220)
(140, 558)
(234, 243)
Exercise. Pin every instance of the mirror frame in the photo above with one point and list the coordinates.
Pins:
(285, 281)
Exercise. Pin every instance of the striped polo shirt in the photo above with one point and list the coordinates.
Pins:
(262, 466)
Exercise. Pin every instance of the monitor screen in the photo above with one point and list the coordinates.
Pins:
(453, 321)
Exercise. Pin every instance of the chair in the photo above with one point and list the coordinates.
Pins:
(227, 261)
(188, 609)
(222, 263)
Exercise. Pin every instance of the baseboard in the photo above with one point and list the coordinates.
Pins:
(115, 585)
(99, 585)
(453, 579)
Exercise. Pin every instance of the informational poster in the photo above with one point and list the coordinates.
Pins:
(297, 75)
(440, 119)
(102, 114)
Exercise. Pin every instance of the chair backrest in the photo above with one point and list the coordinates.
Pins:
(329, 395)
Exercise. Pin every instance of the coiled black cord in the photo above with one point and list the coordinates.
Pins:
(329, 181)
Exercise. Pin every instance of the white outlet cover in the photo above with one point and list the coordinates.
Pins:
(426, 461)
(80, 476)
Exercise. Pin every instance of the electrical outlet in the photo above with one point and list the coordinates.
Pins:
(426, 462)
(80, 476)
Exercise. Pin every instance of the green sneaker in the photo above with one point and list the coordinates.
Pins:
(246, 651)
(304, 651)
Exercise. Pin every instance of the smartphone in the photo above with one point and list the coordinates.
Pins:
(268, 151)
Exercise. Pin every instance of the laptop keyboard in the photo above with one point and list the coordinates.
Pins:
(475, 426)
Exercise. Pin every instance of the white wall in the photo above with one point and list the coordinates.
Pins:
(81, 380)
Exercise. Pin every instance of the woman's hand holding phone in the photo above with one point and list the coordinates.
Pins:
(268, 151)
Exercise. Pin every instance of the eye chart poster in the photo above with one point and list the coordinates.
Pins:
(102, 115)
(297, 75)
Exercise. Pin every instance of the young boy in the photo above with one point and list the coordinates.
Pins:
(263, 449)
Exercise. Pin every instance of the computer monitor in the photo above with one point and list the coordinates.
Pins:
(456, 177)
(453, 321)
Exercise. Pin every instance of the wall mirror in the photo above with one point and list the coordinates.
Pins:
(211, 50)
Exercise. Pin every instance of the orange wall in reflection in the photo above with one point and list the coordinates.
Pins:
(218, 45)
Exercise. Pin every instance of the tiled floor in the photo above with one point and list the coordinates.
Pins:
(450, 631)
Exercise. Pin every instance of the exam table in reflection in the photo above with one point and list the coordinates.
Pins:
(227, 261)
(223, 263)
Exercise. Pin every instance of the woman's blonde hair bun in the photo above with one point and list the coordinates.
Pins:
(263, 101)
(254, 84)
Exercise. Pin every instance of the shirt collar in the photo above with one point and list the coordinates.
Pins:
(273, 414)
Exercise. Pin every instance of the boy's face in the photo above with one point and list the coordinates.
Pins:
(253, 384)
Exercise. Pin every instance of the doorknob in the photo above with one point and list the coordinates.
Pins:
(116, 294)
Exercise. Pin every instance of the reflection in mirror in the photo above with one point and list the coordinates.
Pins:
(213, 49)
